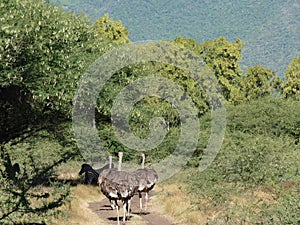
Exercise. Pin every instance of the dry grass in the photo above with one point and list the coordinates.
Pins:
(69, 170)
(174, 202)
(78, 210)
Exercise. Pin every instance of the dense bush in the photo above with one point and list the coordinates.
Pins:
(260, 153)
(43, 50)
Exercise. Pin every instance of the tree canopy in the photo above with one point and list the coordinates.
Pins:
(259, 82)
(43, 51)
(113, 30)
(291, 86)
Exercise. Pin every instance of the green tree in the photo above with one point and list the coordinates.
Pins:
(223, 57)
(149, 107)
(43, 52)
(259, 81)
(113, 30)
(189, 43)
(291, 85)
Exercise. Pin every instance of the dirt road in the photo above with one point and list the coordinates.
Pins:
(103, 210)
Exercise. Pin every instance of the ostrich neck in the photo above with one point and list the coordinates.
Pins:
(120, 163)
(110, 162)
(143, 161)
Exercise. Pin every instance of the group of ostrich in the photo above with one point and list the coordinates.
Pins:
(118, 185)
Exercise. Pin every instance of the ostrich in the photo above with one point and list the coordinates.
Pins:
(118, 185)
(104, 173)
(108, 166)
(147, 179)
(91, 175)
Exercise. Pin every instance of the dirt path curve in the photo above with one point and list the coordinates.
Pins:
(103, 210)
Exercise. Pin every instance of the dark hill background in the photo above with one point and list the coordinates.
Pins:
(269, 28)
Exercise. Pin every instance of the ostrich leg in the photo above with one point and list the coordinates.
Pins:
(118, 214)
(124, 211)
(128, 208)
(146, 198)
(141, 203)
(112, 205)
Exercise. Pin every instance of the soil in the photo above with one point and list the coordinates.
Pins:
(152, 217)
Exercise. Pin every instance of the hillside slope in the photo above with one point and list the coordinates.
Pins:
(270, 29)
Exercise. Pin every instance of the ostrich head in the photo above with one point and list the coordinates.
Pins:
(84, 168)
